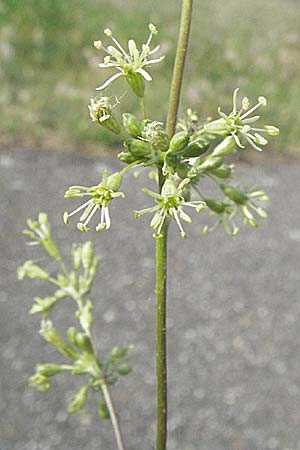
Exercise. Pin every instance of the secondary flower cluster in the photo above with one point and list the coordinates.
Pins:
(78, 347)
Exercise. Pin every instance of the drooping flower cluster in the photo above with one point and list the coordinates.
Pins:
(132, 64)
(101, 195)
(238, 124)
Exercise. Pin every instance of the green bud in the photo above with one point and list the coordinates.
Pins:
(50, 335)
(49, 370)
(72, 333)
(223, 171)
(78, 401)
(157, 136)
(31, 270)
(210, 163)
(39, 381)
(51, 248)
(126, 157)
(216, 206)
(179, 141)
(172, 159)
(225, 147)
(131, 124)
(42, 305)
(216, 127)
(137, 83)
(123, 369)
(85, 316)
(114, 181)
(237, 196)
(103, 410)
(120, 352)
(182, 170)
(138, 147)
(87, 253)
(196, 148)
(76, 256)
(84, 342)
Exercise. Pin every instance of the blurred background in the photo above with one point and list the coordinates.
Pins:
(234, 311)
(49, 65)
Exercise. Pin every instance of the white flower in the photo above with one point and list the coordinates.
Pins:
(170, 203)
(238, 124)
(128, 63)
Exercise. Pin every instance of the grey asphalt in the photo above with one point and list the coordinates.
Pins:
(234, 317)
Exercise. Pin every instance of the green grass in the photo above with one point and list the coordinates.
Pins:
(49, 65)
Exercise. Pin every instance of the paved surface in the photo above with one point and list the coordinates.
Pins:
(234, 319)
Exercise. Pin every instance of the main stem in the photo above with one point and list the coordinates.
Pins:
(161, 243)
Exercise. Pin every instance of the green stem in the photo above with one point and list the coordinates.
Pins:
(161, 341)
(142, 105)
(161, 243)
(184, 31)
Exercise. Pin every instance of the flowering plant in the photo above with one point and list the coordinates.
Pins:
(181, 155)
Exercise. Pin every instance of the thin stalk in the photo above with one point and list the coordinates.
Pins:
(161, 243)
(142, 105)
(113, 416)
(184, 31)
(161, 338)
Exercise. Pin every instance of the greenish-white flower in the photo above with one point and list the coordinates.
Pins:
(170, 204)
(132, 63)
(239, 124)
(100, 198)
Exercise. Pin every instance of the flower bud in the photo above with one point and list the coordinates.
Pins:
(51, 249)
(216, 206)
(217, 127)
(235, 194)
(72, 333)
(48, 370)
(223, 171)
(123, 369)
(157, 136)
(211, 162)
(103, 411)
(138, 147)
(126, 157)
(78, 401)
(172, 159)
(120, 352)
(131, 124)
(87, 253)
(196, 148)
(226, 146)
(182, 170)
(179, 141)
(84, 342)
(76, 257)
(114, 181)
(40, 381)
(31, 270)
(137, 83)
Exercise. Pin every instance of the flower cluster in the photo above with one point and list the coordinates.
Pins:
(129, 64)
(238, 124)
(101, 196)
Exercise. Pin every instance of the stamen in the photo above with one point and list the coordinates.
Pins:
(107, 218)
(80, 208)
(91, 215)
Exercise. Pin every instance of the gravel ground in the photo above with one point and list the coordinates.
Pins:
(234, 335)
